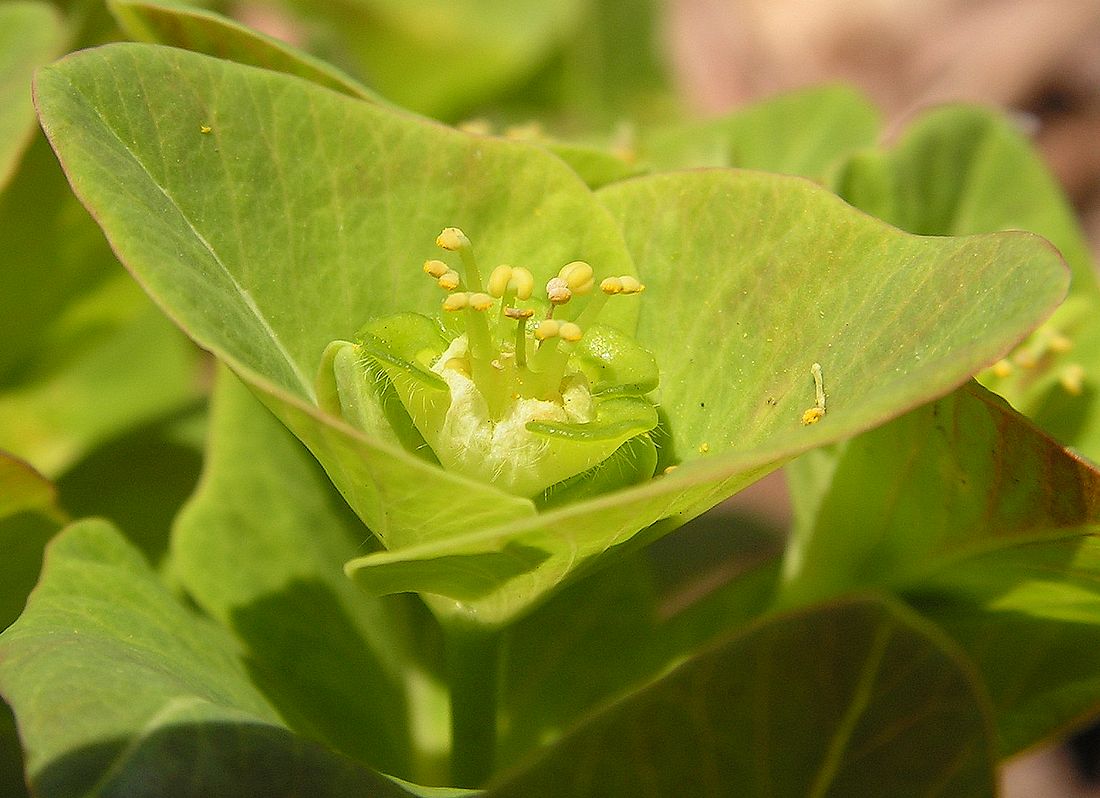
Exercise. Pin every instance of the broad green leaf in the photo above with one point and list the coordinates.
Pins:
(439, 57)
(963, 473)
(1029, 617)
(801, 133)
(962, 170)
(628, 623)
(895, 320)
(206, 32)
(966, 507)
(856, 698)
(111, 681)
(31, 34)
(107, 365)
(261, 548)
(28, 518)
(234, 271)
(140, 480)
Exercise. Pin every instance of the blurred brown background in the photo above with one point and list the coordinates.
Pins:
(1038, 58)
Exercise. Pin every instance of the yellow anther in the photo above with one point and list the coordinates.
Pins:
(436, 268)
(1060, 343)
(557, 291)
(452, 238)
(1002, 368)
(519, 313)
(456, 301)
(522, 282)
(578, 276)
(631, 285)
(548, 328)
(1026, 359)
(480, 301)
(478, 127)
(499, 280)
(524, 132)
(1073, 379)
(449, 280)
(670, 469)
(570, 332)
(611, 285)
(812, 416)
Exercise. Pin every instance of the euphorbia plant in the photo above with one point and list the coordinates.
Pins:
(507, 451)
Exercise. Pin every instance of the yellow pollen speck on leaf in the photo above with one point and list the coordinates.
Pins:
(704, 448)
(205, 129)
(812, 416)
(1073, 379)
(1002, 368)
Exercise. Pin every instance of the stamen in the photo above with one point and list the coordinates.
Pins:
(547, 329)
(521, 315)
(436, 268)
(1002, 368)
(611, 286)
(570, 332)
(480, 301)
(815, 413)
(577, 276)
(498, 280)
(452, 239)
(558, 292)
(456, 302)
(449, 280)
(631, 285)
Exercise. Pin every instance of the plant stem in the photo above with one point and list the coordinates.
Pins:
(473, 666)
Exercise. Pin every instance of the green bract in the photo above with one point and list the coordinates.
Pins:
(271, 216)
(516, 404)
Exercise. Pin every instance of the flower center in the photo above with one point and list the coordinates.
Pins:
(501, 390)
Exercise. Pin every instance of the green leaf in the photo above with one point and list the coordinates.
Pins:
(1029, 617)
(133, 368)
(734, 356)
(857, 698)
(963, 473)
(240, 288)
(28, 518)
(973, 513)
(206, 32)
(801, 133)
(112, 680)
(261, 548)
(31, 34)
(440, 57)
(292, 222)
(140, 480)
(962, 170)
